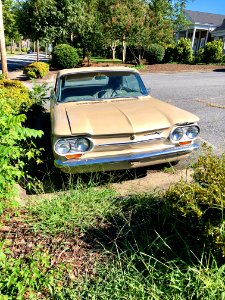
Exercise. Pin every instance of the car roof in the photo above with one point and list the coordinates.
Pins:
(94, 69)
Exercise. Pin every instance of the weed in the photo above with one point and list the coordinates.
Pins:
(79, 208)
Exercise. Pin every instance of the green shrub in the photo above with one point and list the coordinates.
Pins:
(199, 57)
(23, 49)
(199, 205)
(169, 54)
(17, 95)
(64, 57)
(36, 70)
(155, 53)
(183, 51)
(13, 154)
(213, 52)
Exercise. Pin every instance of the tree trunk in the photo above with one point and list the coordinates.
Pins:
(124, 49)
(38, 50)
(2, 45)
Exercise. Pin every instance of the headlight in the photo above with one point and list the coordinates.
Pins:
(81, 145)
(192, 132)
(62, 146)
(72, 145)
(177, 134)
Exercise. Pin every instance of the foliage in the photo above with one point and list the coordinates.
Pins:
(64, 57)
(169, 54)
(80, 208)
(98, 25)
(17, 95)
(36, 70)
(183, 51)
(13, 154)
(9, 18)
(34, 276)
(201, 203)
(155, 53)
(199, 57)
(213, 52)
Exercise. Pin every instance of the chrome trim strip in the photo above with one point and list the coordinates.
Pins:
(130, 142)
(134, 157)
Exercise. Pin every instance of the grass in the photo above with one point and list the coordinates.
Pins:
(89, 243)
(105, 60)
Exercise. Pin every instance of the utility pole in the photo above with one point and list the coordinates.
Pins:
(2, 45)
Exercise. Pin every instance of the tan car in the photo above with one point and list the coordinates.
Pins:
(104, 119)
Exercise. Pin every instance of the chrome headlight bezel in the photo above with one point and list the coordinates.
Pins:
(74, 145)
(186, 133)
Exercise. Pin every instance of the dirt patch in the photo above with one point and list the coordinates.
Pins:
(157, 180)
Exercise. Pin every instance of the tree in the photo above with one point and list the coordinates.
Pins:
(2, 44)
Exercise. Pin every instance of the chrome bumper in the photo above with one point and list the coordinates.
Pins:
(123, 161)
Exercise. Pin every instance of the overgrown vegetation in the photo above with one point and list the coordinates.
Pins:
(36, 70)
(158, 245)
(16, 144)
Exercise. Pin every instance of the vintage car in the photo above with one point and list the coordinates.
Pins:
(103, 118)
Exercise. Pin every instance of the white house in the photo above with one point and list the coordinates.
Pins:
(204, 28)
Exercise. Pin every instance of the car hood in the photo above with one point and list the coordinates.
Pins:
(122, 116)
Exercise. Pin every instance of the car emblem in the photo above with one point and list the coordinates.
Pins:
(132, 137)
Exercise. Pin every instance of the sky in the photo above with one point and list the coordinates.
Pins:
(211, 6)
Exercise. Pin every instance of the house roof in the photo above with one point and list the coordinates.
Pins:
(204, 18)
(221, 27)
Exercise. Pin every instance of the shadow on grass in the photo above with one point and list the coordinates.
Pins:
(149, 229)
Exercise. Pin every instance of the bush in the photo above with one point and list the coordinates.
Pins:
(199, 57)
(64, 57)
(199, 205)
(12, 136)
(213, 52)
(155, 53)
(36, 70)
(169, 54)
(183, 51)
(17, 95)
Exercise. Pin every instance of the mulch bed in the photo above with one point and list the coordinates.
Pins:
(22, 241)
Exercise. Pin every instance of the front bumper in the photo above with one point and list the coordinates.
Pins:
(128, 161)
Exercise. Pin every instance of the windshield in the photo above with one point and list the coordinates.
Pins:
(100, 85)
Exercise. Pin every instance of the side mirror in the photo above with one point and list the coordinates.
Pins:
(149, 91)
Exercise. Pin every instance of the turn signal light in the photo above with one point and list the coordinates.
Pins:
(185, 143)
(72, 156)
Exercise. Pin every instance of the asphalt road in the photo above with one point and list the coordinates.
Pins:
(200, 93)
(19, 61)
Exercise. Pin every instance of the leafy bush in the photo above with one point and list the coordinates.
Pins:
(183, 51)
(169, 54)
(213, 52)
(36, 70)
(17, 95)
(23, 49)
(64, 57)
(200, 204)
(199, 57)
(13, 154)
(155, 53)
